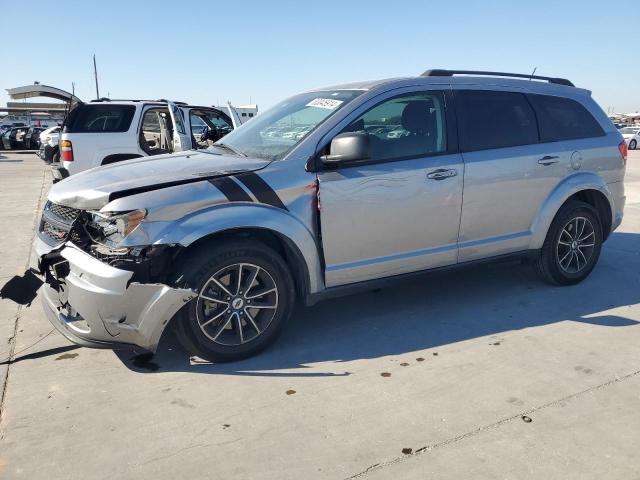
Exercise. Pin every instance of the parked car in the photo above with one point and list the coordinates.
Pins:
(109, 131)
(225, 240)
(49, 151)
(631, 135)
(13, 139)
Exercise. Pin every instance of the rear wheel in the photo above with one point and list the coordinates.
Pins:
(572, 247)
(245, 296)
(632, 145)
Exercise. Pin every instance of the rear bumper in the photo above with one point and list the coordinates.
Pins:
(97, 306)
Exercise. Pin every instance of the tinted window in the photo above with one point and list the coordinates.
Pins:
(100, 118)
(494, 120)
(406, 126)
(563, 119)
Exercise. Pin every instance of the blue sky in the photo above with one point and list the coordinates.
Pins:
(207, 52)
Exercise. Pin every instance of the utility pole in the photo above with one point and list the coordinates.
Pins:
(95, 74)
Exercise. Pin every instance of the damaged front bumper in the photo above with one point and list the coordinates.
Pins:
(96, 305)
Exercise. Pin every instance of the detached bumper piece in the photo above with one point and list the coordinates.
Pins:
(96, 305)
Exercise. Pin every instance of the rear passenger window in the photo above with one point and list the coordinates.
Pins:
(100, 118)
(563, 119)
(494, 120)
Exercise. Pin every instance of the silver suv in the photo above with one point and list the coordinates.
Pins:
(331, 191)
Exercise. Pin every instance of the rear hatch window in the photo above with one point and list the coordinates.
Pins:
(99, 118)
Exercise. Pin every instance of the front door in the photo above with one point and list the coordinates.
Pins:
(181, 139)
(399, 211)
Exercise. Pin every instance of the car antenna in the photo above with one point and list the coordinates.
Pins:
(95, 75)
(532, 73)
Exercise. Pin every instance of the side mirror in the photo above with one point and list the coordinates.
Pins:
(346, 147)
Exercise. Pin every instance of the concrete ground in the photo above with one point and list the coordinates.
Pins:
(482, 373)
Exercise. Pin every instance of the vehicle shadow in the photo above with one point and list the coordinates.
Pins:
(428, 312)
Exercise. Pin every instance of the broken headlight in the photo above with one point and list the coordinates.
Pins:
(115, 226)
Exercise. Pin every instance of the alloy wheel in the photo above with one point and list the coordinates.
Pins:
(237, 304)
(575, 245)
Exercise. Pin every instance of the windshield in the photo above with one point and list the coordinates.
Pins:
(630, 130)
(273, 134)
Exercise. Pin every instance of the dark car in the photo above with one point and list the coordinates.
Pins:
(14, 139)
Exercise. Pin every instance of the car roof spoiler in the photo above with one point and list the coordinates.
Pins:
(451, 73)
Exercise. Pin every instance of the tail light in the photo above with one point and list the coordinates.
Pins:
(66, 150)
(623, 151)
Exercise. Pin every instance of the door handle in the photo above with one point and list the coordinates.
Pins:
(548, 160)
(442, 173)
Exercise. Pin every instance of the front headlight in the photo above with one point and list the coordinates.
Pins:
(115, 226)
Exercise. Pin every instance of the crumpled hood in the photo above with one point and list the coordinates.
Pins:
(94, 188)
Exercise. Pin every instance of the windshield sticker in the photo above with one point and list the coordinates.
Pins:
(328, 103)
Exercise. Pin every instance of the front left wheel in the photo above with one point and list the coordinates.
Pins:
(245, 296)
(632, 145)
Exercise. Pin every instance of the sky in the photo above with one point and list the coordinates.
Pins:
(264, 51)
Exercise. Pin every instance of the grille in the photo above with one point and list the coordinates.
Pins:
(57, 222)
(67, 214)
(54, 233)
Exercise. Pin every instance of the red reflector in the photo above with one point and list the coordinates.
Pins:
(66, 150)
(623, 150)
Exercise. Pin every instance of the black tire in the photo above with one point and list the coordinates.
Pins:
(196, 273)
(56, 157)
(557, 244)
(632, 145)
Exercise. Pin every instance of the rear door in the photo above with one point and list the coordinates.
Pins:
(399, 211)
(508, 172)
(181, 138)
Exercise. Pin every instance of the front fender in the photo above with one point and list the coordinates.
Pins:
(220, 218)
(568, 187)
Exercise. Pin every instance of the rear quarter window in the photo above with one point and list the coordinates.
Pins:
(100, 118)
(563, 119)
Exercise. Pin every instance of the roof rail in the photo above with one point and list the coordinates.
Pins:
(167, 101)
(451, 73)
(160, 100)
(105, 99)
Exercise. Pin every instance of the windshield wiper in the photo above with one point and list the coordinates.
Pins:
(227, 147)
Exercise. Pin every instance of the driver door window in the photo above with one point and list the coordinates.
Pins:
(214, 124)
(404, 127)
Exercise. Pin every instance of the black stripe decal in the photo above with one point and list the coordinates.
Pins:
(230, 189)
(261, 189)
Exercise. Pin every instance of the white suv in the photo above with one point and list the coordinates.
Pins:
(108, 131)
